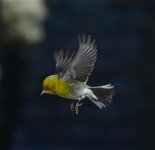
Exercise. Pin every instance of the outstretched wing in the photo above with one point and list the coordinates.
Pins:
(77, 66)
(83, 62)
(62, 59)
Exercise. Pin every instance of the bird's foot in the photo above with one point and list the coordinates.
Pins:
(75, 108)
(72, 106)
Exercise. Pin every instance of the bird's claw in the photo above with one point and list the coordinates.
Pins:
(75, 108)
(72, 106)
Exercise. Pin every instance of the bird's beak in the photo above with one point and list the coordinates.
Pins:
(42, 92)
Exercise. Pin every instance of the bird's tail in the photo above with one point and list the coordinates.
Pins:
(102, 95)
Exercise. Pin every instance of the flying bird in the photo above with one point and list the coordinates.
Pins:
(72, 73)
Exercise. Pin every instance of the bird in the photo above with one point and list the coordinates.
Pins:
(72, 72)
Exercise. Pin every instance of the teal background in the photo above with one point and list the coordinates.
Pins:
(124, 31)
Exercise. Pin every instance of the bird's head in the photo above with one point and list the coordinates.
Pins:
(49, 84)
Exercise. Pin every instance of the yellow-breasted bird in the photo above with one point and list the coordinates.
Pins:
(72, 73)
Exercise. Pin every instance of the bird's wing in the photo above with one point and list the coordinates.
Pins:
(83, 62)
(78, 66)
(62, 59)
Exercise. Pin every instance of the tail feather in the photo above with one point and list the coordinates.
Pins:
(104, 95)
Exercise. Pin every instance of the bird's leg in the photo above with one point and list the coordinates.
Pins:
(74, 108)
(77, 106)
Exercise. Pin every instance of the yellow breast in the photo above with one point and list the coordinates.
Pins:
(54, 85)
(63, 89)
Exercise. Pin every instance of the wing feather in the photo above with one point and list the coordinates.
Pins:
(62, 60)
(79, 65)
(83, 62)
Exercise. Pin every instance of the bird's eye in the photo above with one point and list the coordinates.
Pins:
(50, 89)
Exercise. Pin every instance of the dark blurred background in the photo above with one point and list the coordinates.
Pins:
(31, 30)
